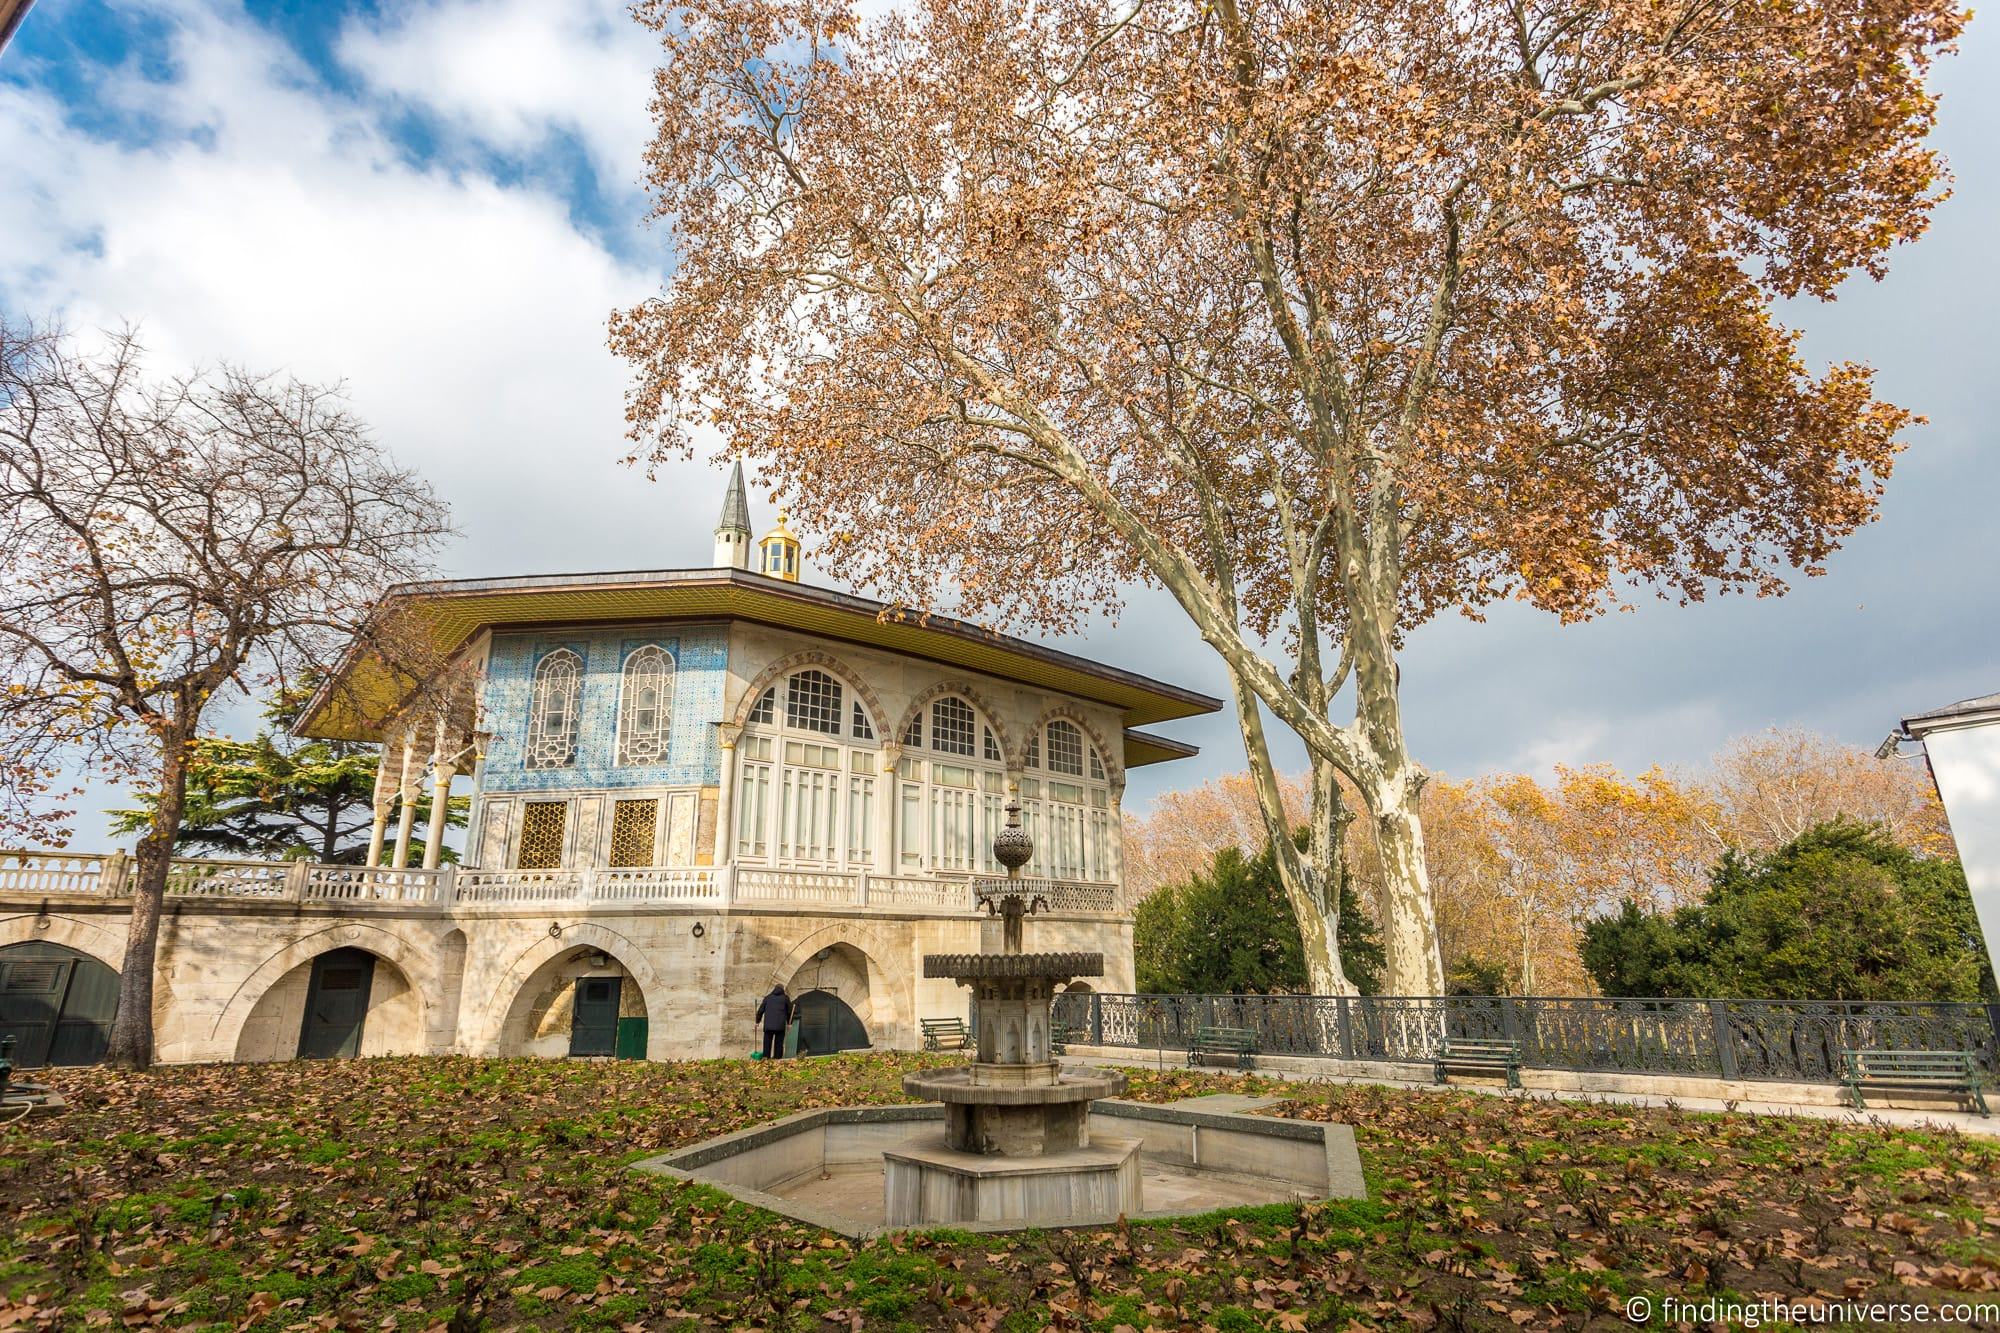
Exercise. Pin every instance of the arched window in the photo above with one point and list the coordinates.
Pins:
(1066, 805)
(552, 706)
(950, 794)
(806, 775)
(645, 706)
(812, 702)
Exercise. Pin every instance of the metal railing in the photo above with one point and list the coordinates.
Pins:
(1792, 1040)
(34, 875)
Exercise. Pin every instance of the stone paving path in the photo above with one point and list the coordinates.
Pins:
(1968, 1122)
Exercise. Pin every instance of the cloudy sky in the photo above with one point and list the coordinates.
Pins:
(436, 202)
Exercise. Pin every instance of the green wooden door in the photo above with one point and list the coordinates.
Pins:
(57, 1004)
(336, 1004)
(825, 1023)
(593, 1024)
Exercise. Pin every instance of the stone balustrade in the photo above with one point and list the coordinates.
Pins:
(36, 875)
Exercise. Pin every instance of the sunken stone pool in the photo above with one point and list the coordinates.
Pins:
(826, 1167)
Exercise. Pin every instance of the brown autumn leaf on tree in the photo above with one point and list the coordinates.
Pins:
(1323, 316)
(1517, 863)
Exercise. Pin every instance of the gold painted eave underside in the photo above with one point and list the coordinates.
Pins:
(365, 695)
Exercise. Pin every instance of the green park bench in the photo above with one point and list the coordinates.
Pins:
(1913, 1071)
(1216, 1043)
(945, 1034)
(1490, 1057)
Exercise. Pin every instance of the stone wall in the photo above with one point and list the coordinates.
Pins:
(232, 978)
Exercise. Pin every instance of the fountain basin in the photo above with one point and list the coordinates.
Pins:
(828, 1167)
(1014, 1110)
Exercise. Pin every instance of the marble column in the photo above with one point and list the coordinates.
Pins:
(441, 775)
(888, 795)
(725, 796)
(406, 794)
(382, 801)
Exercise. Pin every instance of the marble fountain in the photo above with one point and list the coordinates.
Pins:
(1013, 1138)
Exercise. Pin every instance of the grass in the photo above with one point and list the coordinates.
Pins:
(464, 1195)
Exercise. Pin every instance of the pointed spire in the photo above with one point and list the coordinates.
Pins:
(735, 504)
(732, 532)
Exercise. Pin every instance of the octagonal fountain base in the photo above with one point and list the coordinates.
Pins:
(830, 1167)
(931, 1183)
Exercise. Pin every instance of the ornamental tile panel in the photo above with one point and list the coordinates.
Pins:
(693, 757)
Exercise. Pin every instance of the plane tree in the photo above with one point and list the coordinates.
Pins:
(1325, 316)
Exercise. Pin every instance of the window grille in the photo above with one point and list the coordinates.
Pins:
(862, 729)
(632, 825)
(1065, 748)
(645, 706)
(990, 750)
(552, 710)
(1096, 766)
(812, 702)
(953, 727)
(913, 734)
(542, 826)
(767, 706)
(1033, 758)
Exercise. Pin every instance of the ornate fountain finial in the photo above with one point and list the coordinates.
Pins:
(1012, 847)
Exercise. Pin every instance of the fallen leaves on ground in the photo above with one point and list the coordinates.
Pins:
(456, 1195)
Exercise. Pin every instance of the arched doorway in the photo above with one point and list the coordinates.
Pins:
(827, 1024)
(581, 1002)
(336, 1004)
(57, 1004)
(343, 1002)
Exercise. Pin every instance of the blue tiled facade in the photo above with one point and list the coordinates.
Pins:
(701, 659)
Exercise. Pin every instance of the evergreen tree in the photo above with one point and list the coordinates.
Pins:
(1842, 912)
(278, 797)
(1230, 930)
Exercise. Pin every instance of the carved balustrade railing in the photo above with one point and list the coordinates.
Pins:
(34, 875)
(1789, 1040)
(1061, 895)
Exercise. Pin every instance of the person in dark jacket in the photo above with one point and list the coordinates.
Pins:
(775, 1011)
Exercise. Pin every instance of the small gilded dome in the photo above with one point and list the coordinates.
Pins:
(778, 553)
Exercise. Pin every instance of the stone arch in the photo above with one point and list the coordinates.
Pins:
(414, 960)
(980, 704)
(507, 1004)
(86, 937)
(1114, 766)
(846, 971)
(884, 1017)
(878, 717)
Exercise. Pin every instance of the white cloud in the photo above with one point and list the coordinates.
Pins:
(274, 222)
(506, 73)
(466, 315)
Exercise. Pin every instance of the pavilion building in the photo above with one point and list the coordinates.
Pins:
(686, 785)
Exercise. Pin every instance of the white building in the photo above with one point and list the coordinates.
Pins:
(1962, 745)
(687, 785)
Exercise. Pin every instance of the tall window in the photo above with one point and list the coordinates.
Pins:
(949, 797)
(552, 710)
(805, 791)
(645, 706)
(1066, 805)
(632, 832)
(543, 824)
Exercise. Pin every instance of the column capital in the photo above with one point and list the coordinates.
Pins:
(728, 733)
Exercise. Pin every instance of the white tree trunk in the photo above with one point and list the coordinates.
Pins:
(1411, 964)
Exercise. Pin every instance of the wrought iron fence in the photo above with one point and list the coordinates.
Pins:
(1792, 1040)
